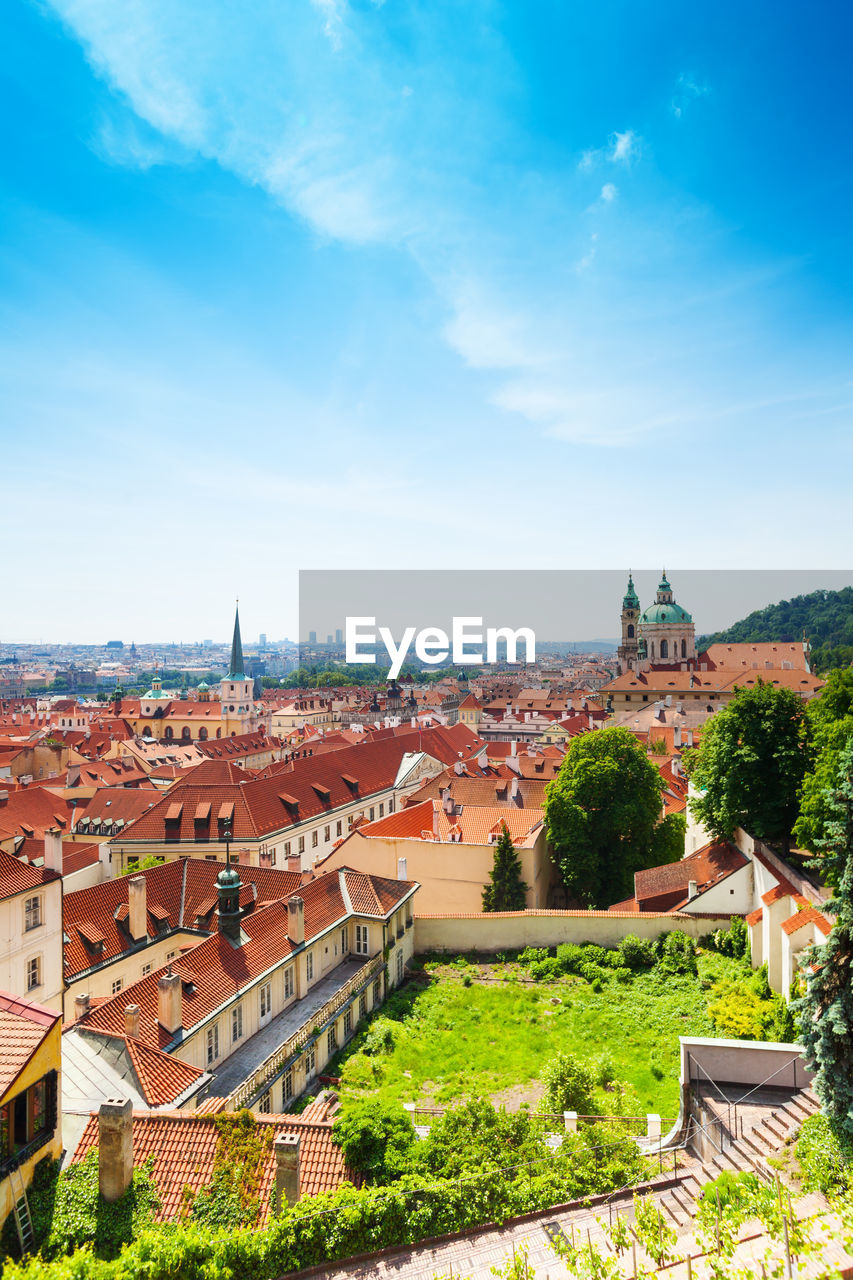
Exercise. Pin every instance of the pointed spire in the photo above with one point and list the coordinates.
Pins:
(236, 671)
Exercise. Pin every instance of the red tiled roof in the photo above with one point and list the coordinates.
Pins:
(755, 916)
(183, 1147)
(706, 866)
(188, 882)
(17, 875)
(214, 971)
(808, 916)
(23, 1027)
(476, 823)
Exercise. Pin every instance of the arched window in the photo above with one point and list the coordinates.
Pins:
(684, 648)
(233, 733)
(186, 736)
(652, 649)
(664, 649)
(202, 734)
(219, 733)
(630, 631)
(168, 734)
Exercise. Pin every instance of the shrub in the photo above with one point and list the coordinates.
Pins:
(636, 953)
(825, 1156)
(545, 970)
(531, 955)
(599, 955)
(677, 953)
(746, 1009)
(375, 1137)
(570, 957)
(569, 1085)
(733, 941)
(380, 1037)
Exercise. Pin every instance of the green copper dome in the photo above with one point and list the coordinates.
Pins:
(204, 687)
(229, 878)
(657, 613)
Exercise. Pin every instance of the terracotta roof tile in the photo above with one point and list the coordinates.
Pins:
(23, 1027)
(808, 916)
(183, 1147)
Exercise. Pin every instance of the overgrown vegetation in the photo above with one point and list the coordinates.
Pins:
(825, 1155)
(68, 1212)
(232, 1197)
(620, 1011)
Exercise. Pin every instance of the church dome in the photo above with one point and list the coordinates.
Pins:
(664, 613)
(204, 687)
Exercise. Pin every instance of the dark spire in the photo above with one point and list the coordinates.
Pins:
(236, 671)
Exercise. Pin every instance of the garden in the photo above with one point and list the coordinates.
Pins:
(468, 1026)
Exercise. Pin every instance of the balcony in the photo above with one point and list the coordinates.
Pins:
(249, 1071)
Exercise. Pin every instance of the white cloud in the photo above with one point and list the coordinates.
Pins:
(624, 147)
(609, 192)
(687, 88)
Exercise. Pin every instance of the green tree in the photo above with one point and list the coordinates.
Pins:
(831, 719)
(506, 890)
(751, 764)
(825, 1010)
(569, 1086)
(376, 1137)
(603, 817)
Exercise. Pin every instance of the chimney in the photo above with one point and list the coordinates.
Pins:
(513, 790)
(81, 1006)
(692, 889)
(294, 862)
(296, 920)
(676, 736)
(53, 849)
(513, 747)
(435, 824)
(690, 737)
(115, 1147)
(286, 1149)
(131, 1021)
(137, 904)
(402, 869)
(170, 1003)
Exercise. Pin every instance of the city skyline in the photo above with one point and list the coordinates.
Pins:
(350, 285)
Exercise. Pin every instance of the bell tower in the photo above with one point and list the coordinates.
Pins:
(235, 688)
(627, 652)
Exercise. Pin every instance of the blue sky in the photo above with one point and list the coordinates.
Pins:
(378, 284)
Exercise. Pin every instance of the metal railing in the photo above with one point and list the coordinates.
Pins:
(266, 1073)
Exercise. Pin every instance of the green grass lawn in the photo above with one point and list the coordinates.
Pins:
(490, 1038)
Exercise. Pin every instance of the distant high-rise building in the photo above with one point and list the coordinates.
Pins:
(328, 639)
(262, 640)
(339, 636)
(312, 637)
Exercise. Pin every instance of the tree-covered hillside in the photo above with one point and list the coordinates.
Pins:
(826, 617)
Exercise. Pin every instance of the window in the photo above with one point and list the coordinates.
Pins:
(684, 648)
(117, 986)
(287, 1087)
(327, 833)
(315, 838)
(382, 810)
(399, 965)
(309, 966)
(339, 828)
(301, 844)
(32, 913)
(377, 992)
(348, 1024)
(630, 631)
(202, 734)
(146, 969)
(185, 734)
(372, 812)
(349, 822)
(288, 983)
(287, 848)
(33, 972)
(29, 1117)
(331, 1042)
(310, 1061)
(391, 805)
(265, 1104)
(664, 649)
(170, 955)
(344, 940)
(236, 1023)
(212, 1043)
(362, 1006)
(362, 942)
(266, 1000)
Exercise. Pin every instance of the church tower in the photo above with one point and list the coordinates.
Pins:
(235, 688)
(627, 651)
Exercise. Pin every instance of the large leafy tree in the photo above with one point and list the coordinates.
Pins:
(826, 1009)
(831, 719)
(751, 764)
(506, 891)
(603, 816)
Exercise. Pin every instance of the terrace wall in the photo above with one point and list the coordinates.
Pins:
(510, 930)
